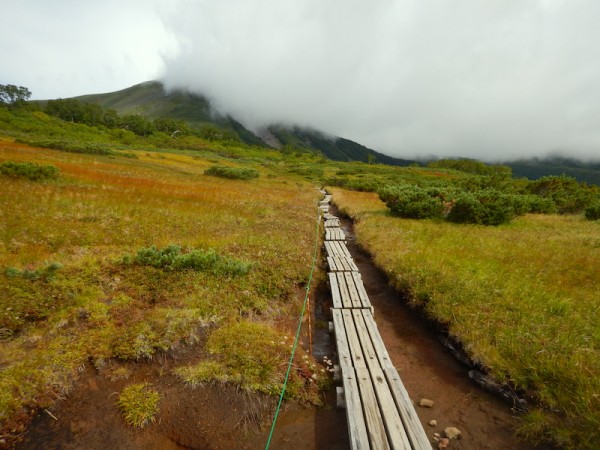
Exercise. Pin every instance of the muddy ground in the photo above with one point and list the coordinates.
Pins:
(223, 417)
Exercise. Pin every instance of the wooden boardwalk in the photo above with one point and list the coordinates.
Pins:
(379, 411)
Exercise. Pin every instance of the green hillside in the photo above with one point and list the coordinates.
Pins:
(151, 100)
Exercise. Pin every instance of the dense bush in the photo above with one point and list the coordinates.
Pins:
(413, 202)
(31, 171)
(592, 212)
(234, 173)
(567, 193)
(73, 147)
(172, 258)
(486, 207)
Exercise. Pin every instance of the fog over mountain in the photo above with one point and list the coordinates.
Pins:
(496, 79)
(493, 79)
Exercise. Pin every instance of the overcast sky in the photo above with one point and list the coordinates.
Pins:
(490, 79)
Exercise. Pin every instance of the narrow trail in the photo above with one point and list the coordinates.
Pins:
(429, 371)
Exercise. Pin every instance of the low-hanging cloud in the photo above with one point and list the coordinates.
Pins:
(495, 79)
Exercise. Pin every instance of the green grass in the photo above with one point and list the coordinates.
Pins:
(138, 404)
(66, 295)
(522, 298)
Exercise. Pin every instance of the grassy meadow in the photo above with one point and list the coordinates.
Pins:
(80, 281)
(523, 299)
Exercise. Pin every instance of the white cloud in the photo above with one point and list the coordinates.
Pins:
(68, 47)
(500, 78)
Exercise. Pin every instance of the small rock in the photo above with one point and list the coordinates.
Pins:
(432, 423)
(444, 443)
(437, 435)
(452, 433)
(426, 403)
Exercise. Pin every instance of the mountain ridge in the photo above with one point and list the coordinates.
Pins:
(152, 100)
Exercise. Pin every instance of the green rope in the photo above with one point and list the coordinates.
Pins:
(289, 368)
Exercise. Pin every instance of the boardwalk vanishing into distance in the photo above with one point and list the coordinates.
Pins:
(379, 411)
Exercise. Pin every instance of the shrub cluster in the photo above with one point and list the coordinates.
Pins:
(31, 171)
(234, 173)
(73, 147)
(592, 212)
(486, 206)
(172, 258)
(413, 202)
(569, 195)
(45, 273)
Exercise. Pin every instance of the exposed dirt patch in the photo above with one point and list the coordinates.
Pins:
(210, 417)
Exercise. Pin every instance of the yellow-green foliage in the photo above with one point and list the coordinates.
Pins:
(138, 404)
(67, 296)
(522, 298)
(256, 356)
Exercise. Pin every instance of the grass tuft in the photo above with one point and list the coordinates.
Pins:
(138, 404)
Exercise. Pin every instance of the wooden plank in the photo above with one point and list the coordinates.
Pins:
(332, 223)
(416, 434)
(362, 292)
(357, 428)
(328, 216)
(394, 426)
(375, 427)
(358, 359)
(354, 298)
(391, 417)
(335, 290)
(344, 250)
(341, 339)
(331, 262)
(343, 287)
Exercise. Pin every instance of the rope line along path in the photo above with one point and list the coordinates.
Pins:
(296, 339)
(379, 412)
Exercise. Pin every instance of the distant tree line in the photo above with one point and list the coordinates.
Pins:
(73, 110)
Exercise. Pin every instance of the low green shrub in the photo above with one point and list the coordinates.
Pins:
(413, 202)
(31, 171)
(592, 212)
(46, 273)
(233, 173)
(485, 207)
(172, 258)
(73, 147)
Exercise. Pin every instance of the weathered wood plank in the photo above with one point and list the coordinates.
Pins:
(343, 287)
(362, 292)
(341, 339)
(391, 417)
(344, 250)
(332, 223)
(331, 262)
(335, 290)
(398, 436)
(375, 426)
(358, 359)
(357, 427)
(416, 434)
(354, 298)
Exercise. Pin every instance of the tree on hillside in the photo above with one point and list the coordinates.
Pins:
(11, 95)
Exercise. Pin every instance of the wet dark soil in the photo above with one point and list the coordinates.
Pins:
(223, 417)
